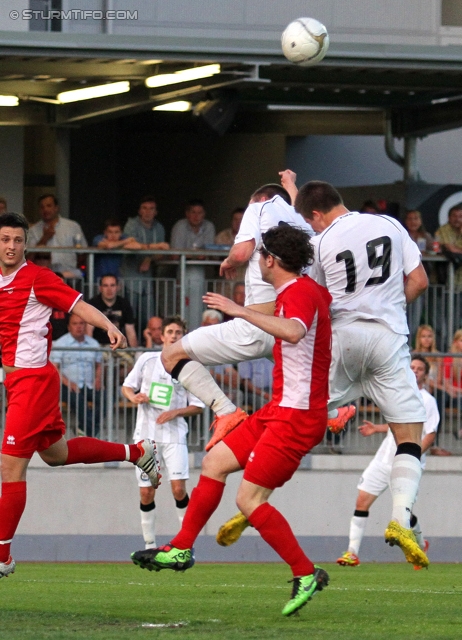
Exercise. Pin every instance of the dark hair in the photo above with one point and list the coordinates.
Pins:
(421, 229)
(290, 245)
(147, 198)
(270, 190)
(369, 204)
(174, 320)
(15, 221)
(317, 196)
(48, 195)
(112, 222)
(422, 359)
(238, 210)
(109, 275)
(456, 207)
(194, 202)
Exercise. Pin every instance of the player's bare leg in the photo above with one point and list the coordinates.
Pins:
(404, 481)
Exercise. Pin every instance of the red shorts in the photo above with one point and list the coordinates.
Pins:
(270, 444)
(33, 417)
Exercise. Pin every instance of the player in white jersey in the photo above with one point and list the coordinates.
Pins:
(236, 340)
(376, 477)
(372, 269)
(162, 409)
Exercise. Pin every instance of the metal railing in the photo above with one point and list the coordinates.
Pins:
(112, 417)
(108, 415)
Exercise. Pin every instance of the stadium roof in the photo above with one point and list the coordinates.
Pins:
(354, 90)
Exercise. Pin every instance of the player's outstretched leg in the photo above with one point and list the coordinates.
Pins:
(348, 559)
(338, 423)
(304, 589)
(7, 567)
(166, 557)
(395, 534)
(231, 531)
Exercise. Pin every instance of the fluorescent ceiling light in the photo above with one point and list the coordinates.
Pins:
(195, 73)
(94, 92)
(180, 105)
(9, 101)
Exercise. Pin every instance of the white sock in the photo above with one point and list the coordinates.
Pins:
(195, 378)
(404, 481)
(148, 527)
(181, 514)
(332, 414)
(418, 534)
(357, 530)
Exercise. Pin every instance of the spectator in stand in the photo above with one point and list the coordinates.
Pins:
(238, 296)
(55, 231)
(227, 236)
(148, 234)
(449, 236)
(111, 238)
(414, 226)
(369, 206)
(116, 308)
(211, 316)
(256, 382)
(193, 231)
(58, 318)
(425, 343)
(81, 374)
(449, 392)
(3, 205)
(416, 229)
(153, 334)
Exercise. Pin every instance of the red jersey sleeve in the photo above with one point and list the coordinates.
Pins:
(302, 306)
(51, 291)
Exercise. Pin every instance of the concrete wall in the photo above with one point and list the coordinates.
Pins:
(368, 21)
(92, 513)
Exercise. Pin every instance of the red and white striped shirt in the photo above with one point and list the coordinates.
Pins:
(27, 298)
(301, 371)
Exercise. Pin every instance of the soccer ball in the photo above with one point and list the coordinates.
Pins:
(305, 41)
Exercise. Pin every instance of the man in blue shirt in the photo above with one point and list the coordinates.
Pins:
(81, 374)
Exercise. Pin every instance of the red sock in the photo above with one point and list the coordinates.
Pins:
(12, 505)
(276, 531)
(91, 450)
(204, 499)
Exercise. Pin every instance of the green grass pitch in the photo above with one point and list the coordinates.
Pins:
(228, 602)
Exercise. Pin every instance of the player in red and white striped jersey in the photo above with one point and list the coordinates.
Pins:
(270, 444)
(28, 294)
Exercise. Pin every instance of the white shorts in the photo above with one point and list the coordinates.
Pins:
(369, 359)
(173, 460)
(228, 343)
(375, 478)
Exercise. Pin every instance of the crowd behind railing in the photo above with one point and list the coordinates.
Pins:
(133, 276)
